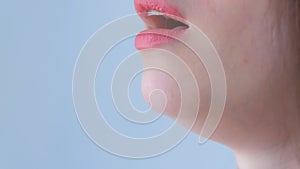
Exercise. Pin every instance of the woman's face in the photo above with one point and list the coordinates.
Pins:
(246, 35)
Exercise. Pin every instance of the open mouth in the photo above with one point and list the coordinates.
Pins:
(163, 23)
(158, 20)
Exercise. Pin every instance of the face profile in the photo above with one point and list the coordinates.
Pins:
(258, 44)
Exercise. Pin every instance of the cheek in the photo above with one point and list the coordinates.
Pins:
(155, 82)
(218, 18)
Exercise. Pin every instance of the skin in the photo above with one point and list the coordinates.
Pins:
(258, 42)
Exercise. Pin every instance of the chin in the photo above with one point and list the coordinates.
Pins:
(161, 92)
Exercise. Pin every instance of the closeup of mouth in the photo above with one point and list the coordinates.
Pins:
(163, 23)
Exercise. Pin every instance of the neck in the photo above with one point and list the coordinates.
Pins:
(274, 141)
(280, 156)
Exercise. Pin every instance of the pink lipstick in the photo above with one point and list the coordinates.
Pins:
(163, 22)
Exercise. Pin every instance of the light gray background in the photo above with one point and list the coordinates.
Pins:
(40, 42)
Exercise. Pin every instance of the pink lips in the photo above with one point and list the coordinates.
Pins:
(154, 36)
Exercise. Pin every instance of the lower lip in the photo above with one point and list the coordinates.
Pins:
(154, 38)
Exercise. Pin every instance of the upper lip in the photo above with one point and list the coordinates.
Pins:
(158, 14)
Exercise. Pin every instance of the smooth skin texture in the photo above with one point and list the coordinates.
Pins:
(258, 42)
